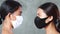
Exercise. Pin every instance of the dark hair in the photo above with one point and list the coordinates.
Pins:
(8, 7)
(9, 0)
(52, 10)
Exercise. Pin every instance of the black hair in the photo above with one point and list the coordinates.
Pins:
(8, 7)
(52, 10)
(9, 0)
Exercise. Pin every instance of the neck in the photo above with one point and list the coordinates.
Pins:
(50, 29)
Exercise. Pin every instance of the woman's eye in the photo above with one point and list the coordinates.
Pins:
(20, 11)
(38, 14)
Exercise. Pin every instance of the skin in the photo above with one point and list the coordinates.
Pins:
(7, 25)
(50, 29)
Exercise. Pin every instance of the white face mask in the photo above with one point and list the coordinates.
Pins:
(17, 22)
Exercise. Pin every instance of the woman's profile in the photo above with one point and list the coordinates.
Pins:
(10, 16)
(48, 18)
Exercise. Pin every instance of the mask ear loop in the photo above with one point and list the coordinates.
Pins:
(45, 18)
(10, 14)
(49, 21)
(48, 17)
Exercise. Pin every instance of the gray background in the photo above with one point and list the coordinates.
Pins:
(29, 12)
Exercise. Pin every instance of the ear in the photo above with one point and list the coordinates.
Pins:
(49, 19)
(12, 17)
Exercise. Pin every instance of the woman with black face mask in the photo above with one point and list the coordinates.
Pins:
(48, 18)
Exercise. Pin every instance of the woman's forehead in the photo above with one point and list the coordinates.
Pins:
(18, 11)
(41, 13)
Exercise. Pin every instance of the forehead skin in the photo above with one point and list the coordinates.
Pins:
(40, 13)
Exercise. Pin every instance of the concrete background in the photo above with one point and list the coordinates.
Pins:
(29, 12)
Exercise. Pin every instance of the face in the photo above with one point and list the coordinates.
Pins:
(17, 18)
(42, 20)
(18, 12)
(41, 14)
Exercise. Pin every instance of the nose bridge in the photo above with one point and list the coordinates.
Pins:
(21, 12)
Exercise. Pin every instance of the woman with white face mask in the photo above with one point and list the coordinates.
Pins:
(48, 18)
(10, 16)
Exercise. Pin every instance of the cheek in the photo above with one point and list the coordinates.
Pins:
(17, 13)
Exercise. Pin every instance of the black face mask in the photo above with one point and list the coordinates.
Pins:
(40, 22)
